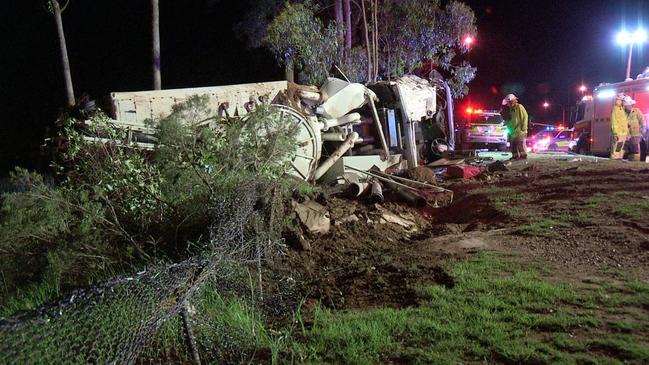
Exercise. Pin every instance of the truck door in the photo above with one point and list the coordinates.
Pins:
(601, 125)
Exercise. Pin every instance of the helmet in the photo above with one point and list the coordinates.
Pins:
(509, 98)
(628, 101)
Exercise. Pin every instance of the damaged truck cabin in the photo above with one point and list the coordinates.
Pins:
(342, 127)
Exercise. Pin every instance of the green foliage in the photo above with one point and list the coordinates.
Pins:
(420, 31)
(296, 36)
(354, 64)
(411, 33)
(49, 238)
(119, 207)
(112, 172)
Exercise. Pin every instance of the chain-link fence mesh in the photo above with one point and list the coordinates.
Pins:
(135, 319)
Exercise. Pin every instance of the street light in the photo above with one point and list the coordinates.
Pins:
(468, 40)
(546, 105)
(583, 88)
(624, 38)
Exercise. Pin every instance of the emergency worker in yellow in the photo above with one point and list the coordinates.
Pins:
(636, 127)
(516, 119)
(619, 128)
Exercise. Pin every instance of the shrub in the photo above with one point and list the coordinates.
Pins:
(118, 207)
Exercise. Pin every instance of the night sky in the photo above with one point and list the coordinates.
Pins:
(538, 49)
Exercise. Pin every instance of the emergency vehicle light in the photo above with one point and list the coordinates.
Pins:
(605, 94)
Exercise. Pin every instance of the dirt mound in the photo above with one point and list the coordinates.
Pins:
(377, 258)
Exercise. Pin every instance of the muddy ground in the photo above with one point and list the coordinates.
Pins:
(582, 219)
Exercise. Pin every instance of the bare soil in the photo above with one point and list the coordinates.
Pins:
(366, 261)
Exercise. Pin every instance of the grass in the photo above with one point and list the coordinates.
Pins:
(543, 227)
(497, 312)
(633, 209)
(622, 203)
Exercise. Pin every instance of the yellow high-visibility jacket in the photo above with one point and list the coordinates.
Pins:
(619, 123)
(636, 122)
(517, 122)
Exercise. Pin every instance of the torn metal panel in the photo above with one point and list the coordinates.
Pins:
(137, 106)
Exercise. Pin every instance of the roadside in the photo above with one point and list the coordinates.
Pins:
(546, 262)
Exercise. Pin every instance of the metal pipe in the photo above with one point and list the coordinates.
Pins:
(365, 140)
(408, 195)
(379, 126)
(333, 137)
(340, 151)
(376, 192)
(409, 181)
(451, 121)
(380, 177)
(357, 189)
(353, 118)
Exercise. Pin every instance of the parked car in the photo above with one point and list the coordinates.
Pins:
(484, 129)
(538, 136)
(562, 141)
(582, 146)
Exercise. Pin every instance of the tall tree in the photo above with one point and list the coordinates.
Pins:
(368, 45)
(56, 10)
(338, 6)
(299, 39)
(348, 24)
(155, 31)
(397, 37)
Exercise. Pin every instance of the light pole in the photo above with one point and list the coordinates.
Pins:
(546, 105)
(624, 38)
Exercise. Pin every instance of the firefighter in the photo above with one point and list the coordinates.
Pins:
(636, 127)
(515, 117)
(619, 128)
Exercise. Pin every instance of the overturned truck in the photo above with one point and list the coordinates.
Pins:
(342, 126)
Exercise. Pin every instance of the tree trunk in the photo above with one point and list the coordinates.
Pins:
(375, 34)
(67, 76)
(155, 30)
(289, 71)
(368, 45)
(348, 24)
(338, 5)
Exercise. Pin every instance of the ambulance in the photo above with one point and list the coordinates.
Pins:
(594, 112)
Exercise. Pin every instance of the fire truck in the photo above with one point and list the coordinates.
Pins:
(594, 113)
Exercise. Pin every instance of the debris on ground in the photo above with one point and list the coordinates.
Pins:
(391, 218)
(463, 171)
(497, 166)
(442, 162)
(349, 218)
(372, 184)
(313, 216)
(422, 174)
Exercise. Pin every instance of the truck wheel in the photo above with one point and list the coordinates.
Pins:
(553, 147)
